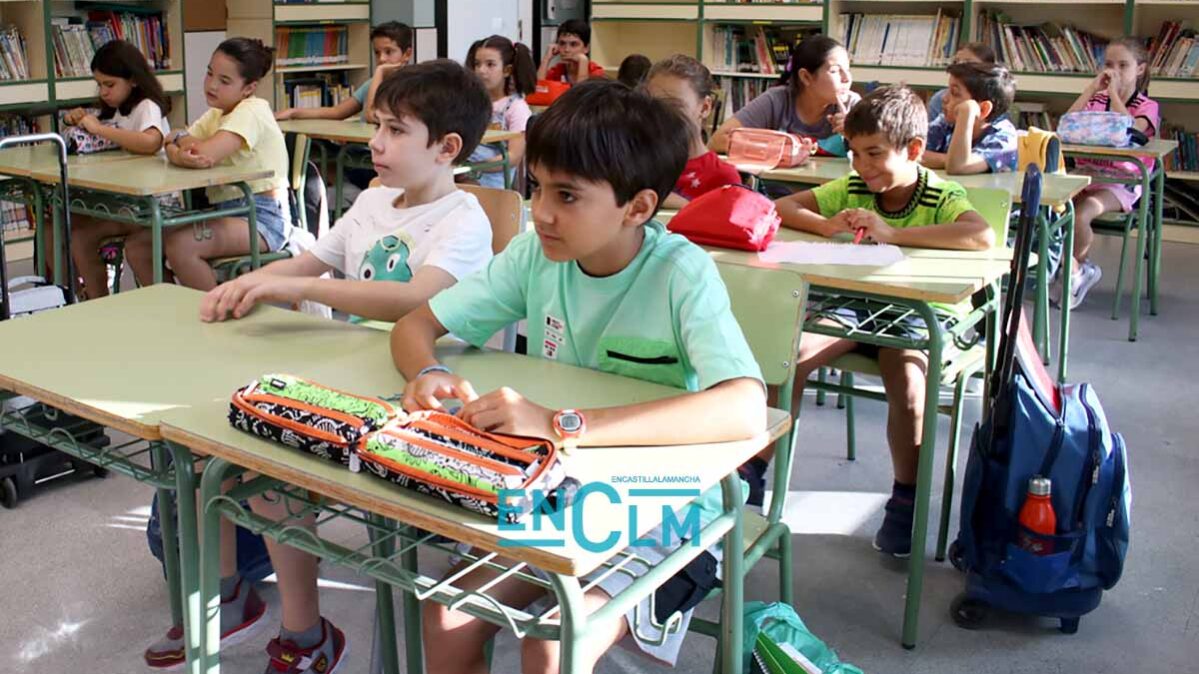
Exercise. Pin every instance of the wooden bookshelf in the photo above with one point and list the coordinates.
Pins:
(263, 18)
(29, 19)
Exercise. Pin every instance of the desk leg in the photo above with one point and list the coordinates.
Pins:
(732, 609)
(209, 604)
(573, 632)
(39, 228)
(339, 181)
(383, 547)
(1155, 253)
(505, 165)
(252, 221)
(56, 254)
(156, 237)
(1139, 266)
(167, 513)
(1040, 324)
(413, 646)
(1066, 269)
(189, 553)
(928, 445)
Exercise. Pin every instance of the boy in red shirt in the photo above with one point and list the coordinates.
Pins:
(572, 48)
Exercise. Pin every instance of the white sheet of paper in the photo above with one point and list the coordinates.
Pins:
(810, 252)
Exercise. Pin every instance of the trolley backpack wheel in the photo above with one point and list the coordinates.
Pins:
(8, 493)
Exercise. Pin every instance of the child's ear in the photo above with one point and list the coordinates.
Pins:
(451, 146)
(249, 89)
(985, 108)
(407, 57)
(915, 149)
(640, 208)
(705, 106)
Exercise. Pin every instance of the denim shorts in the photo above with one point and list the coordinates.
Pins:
(272, 215)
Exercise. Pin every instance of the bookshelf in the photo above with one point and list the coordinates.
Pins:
(280, 23)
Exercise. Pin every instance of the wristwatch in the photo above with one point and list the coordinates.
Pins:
(570, 425)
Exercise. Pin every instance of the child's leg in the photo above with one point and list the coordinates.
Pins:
(189, 256)
(86, 235)
(454, 640)
(541, 657)
(1087, 207)
(903, 374)
(295, 570)
(139, 251)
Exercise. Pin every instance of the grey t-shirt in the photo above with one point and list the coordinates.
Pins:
(775, 110)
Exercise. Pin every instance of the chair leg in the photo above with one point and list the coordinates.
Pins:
(841, 397)
(786, 582)
(851, 443)
(951, 462)
(821, 377)
(1120, 274)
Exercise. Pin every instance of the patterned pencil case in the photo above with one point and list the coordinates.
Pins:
(440, 455)
(305, 415)
(79, 141)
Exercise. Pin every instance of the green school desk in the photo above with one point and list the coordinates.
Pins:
(351, 133)
(902, 292)
(1149, 231)
(127, 189)
(1057, 192)
(366, 367)
(147, 355)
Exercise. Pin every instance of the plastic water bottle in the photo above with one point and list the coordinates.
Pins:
(1037, 516)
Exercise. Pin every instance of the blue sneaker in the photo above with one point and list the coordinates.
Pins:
(894, 537)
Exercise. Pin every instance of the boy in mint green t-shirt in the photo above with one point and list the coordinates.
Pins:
(602, 286)
(897, 201)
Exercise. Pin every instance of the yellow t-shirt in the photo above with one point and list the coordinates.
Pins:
(262, 145)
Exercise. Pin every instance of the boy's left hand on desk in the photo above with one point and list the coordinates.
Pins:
(506, 411)
(236, 298)
(877, 230)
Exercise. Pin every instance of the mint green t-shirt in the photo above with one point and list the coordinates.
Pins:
(664, 318)
(935, 201)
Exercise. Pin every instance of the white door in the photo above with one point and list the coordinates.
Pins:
(470, 20)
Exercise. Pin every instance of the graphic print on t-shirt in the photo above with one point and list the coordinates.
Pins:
(387, 260)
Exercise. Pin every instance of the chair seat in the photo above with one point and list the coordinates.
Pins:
(228, 268)
(961, 361)
(1114, 222)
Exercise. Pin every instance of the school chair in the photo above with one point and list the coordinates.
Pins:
(995, 207)
(1123, 225)
(769, 305)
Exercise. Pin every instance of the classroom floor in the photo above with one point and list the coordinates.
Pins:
(82, 593)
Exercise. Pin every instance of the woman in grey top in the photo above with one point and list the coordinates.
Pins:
(811, 99)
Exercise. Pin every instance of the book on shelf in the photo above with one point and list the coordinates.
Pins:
(317, 91)
(754, 49)
(1041, 48)
(1186, 157)
(14, 216)
(737, 91)
(13, 63)
(1026, 114)
(1174, 52)
(311, 45)
(75, 41)
(901, 39)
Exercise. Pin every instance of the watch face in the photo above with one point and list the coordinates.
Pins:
(570, 422)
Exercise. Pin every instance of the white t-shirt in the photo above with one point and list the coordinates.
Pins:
(375, 241)
(144, 115)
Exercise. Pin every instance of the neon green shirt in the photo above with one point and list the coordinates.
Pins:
(935, 201)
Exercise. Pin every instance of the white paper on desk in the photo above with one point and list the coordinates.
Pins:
(814, 252)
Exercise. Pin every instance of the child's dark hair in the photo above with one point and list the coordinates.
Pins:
(981, 50)
(599, 131)
(119, 58)
(397, 32)
(633, 70)
(516, 55)
(444, 96)
(577, 27)
(254, 59)
(691, 71)
(894, 111)
(808, 54)
(987, 83)
(1137, 49)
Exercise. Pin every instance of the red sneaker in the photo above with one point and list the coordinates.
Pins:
(323, 658)
(241, 616)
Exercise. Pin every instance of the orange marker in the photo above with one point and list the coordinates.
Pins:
(857, 237)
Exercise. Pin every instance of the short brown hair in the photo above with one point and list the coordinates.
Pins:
(986, 82)
(894, 111)
(444, 96)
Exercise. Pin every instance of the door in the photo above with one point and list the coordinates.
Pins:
(470, 20)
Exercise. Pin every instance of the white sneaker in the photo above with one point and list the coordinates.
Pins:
(1083, 281)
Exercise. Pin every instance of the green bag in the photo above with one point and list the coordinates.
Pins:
(769, 626)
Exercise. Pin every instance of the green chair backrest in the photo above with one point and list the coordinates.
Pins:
(769, 306)
(995, 206)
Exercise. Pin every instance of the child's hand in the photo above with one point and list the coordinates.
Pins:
(72, 117)
(877, 230)
(506, 411)
(841, 223)
(89, 123)
(837, 122)
(427, 392)
(1101, 82)
(967, 112)
(384, 69)
(237, 297)
(282, 115)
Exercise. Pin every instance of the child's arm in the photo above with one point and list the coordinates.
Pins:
(138, 142)
(720, 140)
(1101, 82)
(801, 212)
(381, 72)
(968, 232)
(545, 62)
(933, 160)
(674, 201)
(231, 298)
(205, 153)
(961, 158)
(343, 110)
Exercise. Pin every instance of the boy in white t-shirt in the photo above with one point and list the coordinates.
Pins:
(418, 228)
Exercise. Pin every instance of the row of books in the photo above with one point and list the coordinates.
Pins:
(901, 40)
(738, 91)
(320, 90)
(750, 49)
(1174, 52)
(312, 45)
(14, 216)
(1186, 157)
(1029, 114)
(13, 63)
(1042, 48)
(75, 42)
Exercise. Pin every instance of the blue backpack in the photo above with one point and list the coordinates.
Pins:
(1036, 428)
